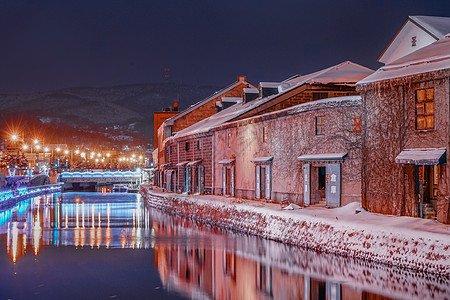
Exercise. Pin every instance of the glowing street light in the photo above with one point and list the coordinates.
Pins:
(36, 141)
(25, 147)
(66, 152)
(14, 137)
(38, 147)
(46, 149)
(98, 154)
(58, 149)
(108, 154)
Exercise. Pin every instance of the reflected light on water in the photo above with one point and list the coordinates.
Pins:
(61, 220)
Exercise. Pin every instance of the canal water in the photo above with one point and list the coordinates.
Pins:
(113, 246)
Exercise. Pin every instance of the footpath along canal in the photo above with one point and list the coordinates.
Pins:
(115, 246)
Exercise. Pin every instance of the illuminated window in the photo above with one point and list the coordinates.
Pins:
(320, 127)
(229, 139)
(264, 134)
(425, 109)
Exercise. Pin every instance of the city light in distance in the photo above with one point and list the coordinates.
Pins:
(58, 149)
(46, 149)
(77, 151)
(38, 147)
(36, 141)
(66, 151)
(25, 147)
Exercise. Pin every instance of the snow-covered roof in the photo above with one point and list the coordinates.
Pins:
(344, 73)
(416, 32)
(436, 26)
(231, 99)
(269, 84)
(348, 71)
(427, 156)
(227, 161)
(262, 160)
(322, 157)
(430, 58)
(241, 79)
(251, 90)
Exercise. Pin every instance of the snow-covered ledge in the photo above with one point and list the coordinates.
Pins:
(400, 241)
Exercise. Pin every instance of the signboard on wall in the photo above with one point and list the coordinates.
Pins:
(333, 185)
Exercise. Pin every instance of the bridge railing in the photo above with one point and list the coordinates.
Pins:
(99, 174)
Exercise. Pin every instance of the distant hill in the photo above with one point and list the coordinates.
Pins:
(105, 106)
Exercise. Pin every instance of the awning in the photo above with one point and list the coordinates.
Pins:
(164, 166)
(326, 157)
(262, 160)
(227, 161)
(193, 163)
(181, 164)
(428, 156)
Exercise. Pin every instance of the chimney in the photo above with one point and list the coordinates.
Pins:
(175, 106)
(242, 78)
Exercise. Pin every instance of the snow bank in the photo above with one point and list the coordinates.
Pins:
(340, 231)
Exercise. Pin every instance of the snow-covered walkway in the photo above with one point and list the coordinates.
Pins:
(350, 231)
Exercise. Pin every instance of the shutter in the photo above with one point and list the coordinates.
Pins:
(258, 182)
(268, 178)
(224, 180)
(189, 177)
(306, 184)
(333, 291)
(333, 185)
(202, 179)
(232, 181)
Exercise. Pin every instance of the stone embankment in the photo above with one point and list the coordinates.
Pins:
(405, 242)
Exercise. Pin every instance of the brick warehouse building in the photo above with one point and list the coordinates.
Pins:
(192, 150)
(406, 135)
(199, 111)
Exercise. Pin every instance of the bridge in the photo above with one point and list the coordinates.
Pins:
(93, 180)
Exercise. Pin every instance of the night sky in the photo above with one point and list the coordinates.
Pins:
(54, 44)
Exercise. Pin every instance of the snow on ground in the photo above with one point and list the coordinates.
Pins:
(400, 241)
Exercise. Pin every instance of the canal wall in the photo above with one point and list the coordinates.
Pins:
(9, 198)
(404, 242)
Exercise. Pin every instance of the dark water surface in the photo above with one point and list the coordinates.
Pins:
(112, 246)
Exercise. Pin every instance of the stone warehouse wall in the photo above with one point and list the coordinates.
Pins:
(291, 133)
(389, 125)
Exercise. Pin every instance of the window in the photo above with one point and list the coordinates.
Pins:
(320, 128)
(264, 134)
(425, 109)
(319, 95)
(229, 139)
(186, 145)
(198, 144)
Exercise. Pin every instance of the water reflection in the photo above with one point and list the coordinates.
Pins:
(196, 260)
(204, 263)
(68, 220)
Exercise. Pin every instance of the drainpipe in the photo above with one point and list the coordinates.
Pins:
(363, 153)
(213, 163)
